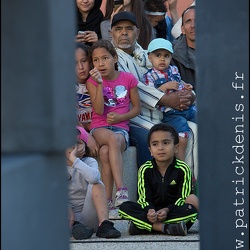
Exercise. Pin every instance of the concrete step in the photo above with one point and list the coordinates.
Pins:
(140, 242)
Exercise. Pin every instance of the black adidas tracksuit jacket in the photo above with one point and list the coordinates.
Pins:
(156, 191)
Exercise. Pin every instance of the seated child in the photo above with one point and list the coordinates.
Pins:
(88, 210)
(166, 78)
(165, 202)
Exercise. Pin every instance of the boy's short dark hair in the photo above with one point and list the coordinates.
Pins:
(164, 127)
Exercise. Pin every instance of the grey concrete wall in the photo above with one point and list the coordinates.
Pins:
(222, 49)
(37, 122)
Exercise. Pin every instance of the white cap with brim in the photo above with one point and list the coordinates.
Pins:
(160, 43)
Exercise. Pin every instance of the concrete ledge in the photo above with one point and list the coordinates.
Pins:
(129, 172)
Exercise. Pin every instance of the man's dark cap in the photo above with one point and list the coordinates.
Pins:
(124, 15)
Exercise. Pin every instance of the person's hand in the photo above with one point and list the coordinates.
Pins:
(71, 217)
(96, 75)
(70, 155)
(161, 214)
(188, 86)
(79, 150)
(152, 216)
(113, 117)
(187, 98)
(179, 100)
(88, 36)
(169, 85)
(93, 146)
(76, 151)
(172, 4)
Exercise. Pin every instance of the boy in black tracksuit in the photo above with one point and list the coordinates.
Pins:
(165, 202)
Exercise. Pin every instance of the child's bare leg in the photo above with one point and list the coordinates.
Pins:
(116, 147)
(182, 148)
(157, 226)
(100, 201)
(106, 173)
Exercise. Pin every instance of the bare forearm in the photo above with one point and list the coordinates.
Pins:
(98, 101)
(174, 16)
(172, 5)
(131, 114)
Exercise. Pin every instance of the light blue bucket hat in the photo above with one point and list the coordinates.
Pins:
(160, 43)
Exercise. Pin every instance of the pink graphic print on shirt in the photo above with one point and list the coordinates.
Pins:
(114, 96)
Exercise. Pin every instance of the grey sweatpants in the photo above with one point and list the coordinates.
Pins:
(88, 215)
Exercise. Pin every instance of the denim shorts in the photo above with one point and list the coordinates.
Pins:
(178, 119)
(116, 130)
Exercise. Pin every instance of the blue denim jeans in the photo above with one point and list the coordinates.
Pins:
(138, 138)
(178, 119)
(117, 131)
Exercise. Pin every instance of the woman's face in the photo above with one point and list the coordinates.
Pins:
(82, 66)
(126, 5)
(126, 2)
(85, 5)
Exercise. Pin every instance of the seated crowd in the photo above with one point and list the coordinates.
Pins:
(134, 87)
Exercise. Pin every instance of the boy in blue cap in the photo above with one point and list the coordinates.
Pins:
(166, 78)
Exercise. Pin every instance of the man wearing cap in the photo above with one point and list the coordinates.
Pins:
(132, 58)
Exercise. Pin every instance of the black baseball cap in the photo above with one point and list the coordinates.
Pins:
(124, 15)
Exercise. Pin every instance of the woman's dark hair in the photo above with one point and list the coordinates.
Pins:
(145, 27)
(106, 44)
(155, 6)
(109, 9)
(164, 127)
(158, 6)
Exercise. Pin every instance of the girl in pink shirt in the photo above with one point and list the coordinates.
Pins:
(115, 100)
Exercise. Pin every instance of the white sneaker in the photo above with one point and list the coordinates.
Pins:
(121, 196)
(113, 211)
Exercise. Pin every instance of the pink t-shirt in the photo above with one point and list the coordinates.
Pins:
(116, 95)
